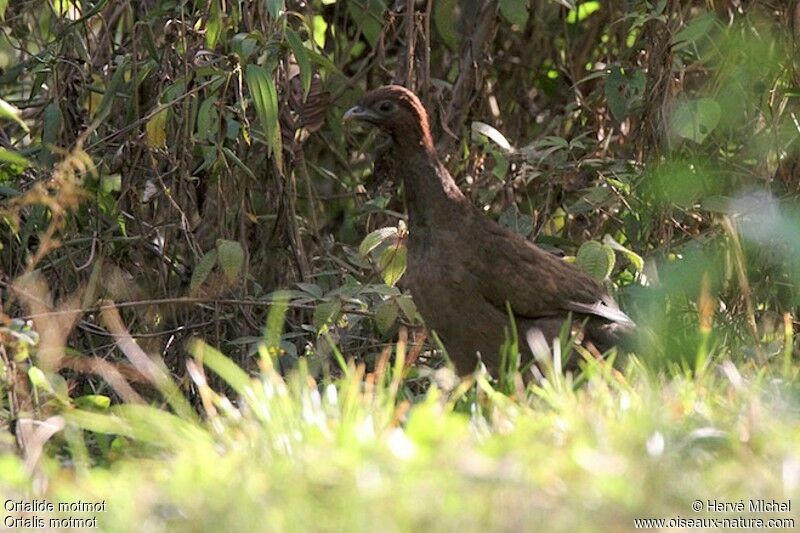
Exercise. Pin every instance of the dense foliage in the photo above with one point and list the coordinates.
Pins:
(178, 170)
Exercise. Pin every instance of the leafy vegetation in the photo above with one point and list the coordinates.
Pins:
(175, 175)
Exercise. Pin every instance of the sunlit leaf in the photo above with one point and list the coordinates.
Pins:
(375, 238)
(265, 99)
(213, 25)
(596, 259)
(635, 259)
(10, 112)
(582, 11)
(156, 129)
(392, 264)
(14, 158)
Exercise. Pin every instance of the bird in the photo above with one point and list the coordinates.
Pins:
(467, 274)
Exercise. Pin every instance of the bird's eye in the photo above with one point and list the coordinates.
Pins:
(386, 106)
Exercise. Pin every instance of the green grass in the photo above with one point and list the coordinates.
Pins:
(292, 455)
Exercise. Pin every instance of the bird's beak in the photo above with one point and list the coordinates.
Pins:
(360, 113)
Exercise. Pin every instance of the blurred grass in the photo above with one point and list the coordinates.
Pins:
(291, 455)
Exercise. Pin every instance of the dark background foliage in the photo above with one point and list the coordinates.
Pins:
(184, 160)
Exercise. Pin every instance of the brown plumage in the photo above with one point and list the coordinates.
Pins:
(463, 268)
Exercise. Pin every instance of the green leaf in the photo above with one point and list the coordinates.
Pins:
(14, 158)
(519, 222)
(207, 119)
(582, 11)
(230, 257)
(446, 23)
(8, 111)
(104, 107)
(213, 25)
(39, 380)
(375, 239)
(319, 28)
(696, 29)
(624, 90)
(696, 119)
(265, 98)
(156, 129)
(392, 264)
(50, 131)
(515, 11)
(229, 371)
(596, 259)
(301, 56)
(275, 8)
(408, 307)
(635, 259)
(93, 401)
(326, 312)
(386, 315)
(368, 15)
(202, 270)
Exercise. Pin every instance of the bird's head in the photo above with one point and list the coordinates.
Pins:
(398, 112)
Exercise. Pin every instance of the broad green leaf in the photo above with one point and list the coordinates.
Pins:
(408, 307)
(202, 270)
(386, 315)
(156, 129)
(326, 312)
(8, 111)
(392, 264)
(230, 257)
(207, 119)
(624, 90)
(515, 11)
(519, 222)
(446, 23)
(368, 15)
(596, 259)
(696, 119)
(319, 28)
(311, 288)
(275, 8)
(375, 239)
(696, 29)
(301, 56)
(265, 98)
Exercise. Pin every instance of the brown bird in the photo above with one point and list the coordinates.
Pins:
(464, 268)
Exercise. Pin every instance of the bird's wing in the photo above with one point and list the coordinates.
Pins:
(535, 283)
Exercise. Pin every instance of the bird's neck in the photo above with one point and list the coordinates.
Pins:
(432, 196)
